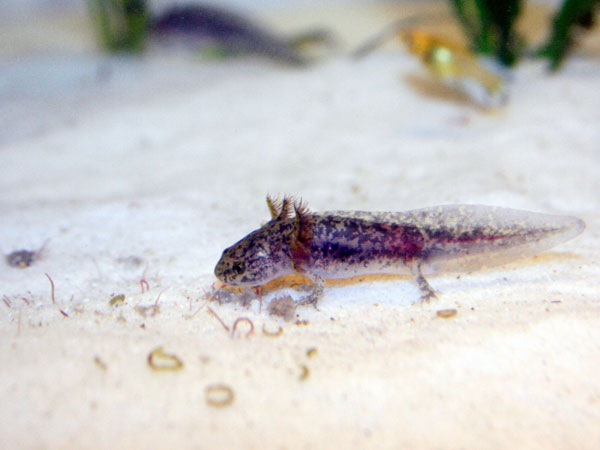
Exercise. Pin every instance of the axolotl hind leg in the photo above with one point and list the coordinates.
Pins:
(427, 292)
(316, 292)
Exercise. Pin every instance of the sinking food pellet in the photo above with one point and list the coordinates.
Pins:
(117, 299)
(447, 313)
(101, 364)
(311, 352)
(305, 372)
(158, 360)
(277, 333)
(219, 395)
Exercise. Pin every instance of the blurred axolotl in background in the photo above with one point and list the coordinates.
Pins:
(126, 25)
(231, 33)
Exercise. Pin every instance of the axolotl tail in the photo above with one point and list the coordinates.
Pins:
(474, 236)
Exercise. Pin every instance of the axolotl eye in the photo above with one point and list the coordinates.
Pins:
(238, 268)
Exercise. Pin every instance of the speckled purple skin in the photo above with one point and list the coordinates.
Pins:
(224, 27)
(346, 246)
(341, 244)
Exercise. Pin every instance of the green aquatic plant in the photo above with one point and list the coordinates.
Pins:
(490, 28)
(572, 15)
(121, 25)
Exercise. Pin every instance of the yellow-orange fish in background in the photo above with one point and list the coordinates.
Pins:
(456, 67)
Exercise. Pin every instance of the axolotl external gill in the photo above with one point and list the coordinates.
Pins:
(341, 244)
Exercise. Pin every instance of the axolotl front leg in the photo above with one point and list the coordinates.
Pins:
(316, 292)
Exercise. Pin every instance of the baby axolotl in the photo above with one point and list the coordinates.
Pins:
(211, 24)
(341, 244)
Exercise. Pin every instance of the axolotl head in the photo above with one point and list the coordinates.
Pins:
(260, 257)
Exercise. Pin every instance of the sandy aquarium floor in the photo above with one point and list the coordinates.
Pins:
(130, 176)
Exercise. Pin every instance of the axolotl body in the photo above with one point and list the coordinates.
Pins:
(341, 244)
